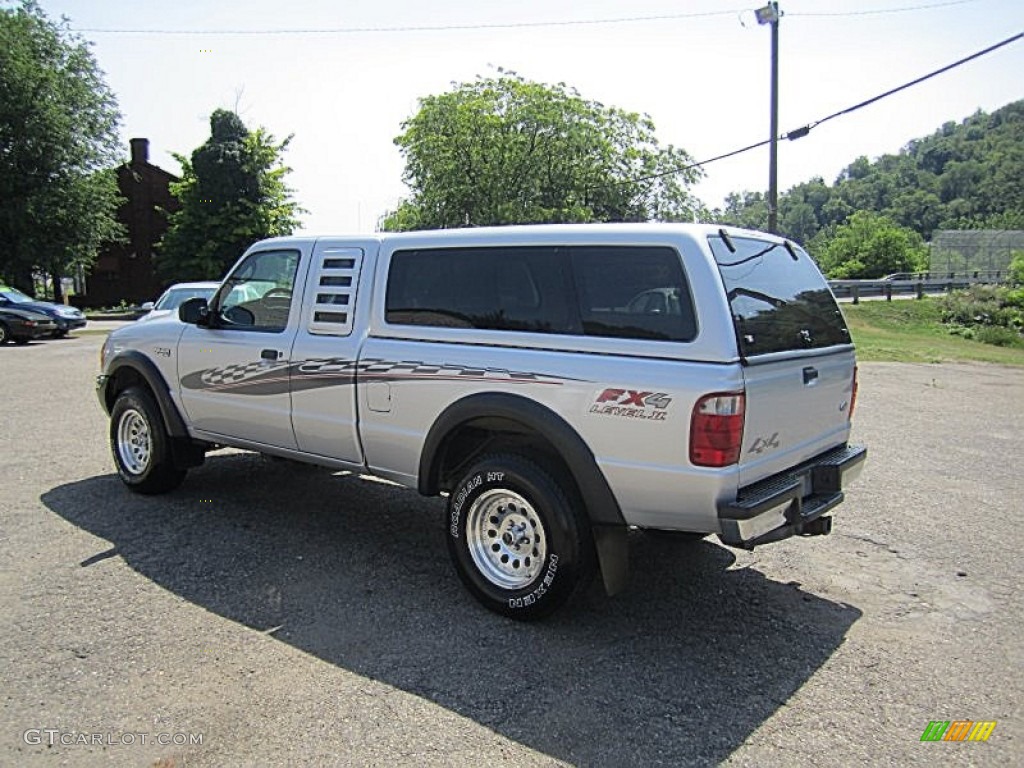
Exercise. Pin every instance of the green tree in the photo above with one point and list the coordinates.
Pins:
(870, 245)
(505, 150)
(1016, 276)
(744, 209)
(58, 144)
(232, 193)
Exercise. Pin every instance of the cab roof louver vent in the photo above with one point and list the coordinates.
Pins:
(334, 301)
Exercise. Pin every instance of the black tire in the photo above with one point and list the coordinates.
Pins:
(141, 445)
(520, 540)
(60, 334)
(5, 334)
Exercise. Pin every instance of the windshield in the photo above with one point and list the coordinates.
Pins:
(780, 301)
(175, 297)
(13, 294)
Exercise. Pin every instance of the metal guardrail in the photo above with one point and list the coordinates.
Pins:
(911, 283)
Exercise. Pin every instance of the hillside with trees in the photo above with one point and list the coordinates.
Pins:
(967, 175)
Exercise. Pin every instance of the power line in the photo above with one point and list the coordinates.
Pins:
(877, 11)
(799, 133)
(500, 25)
(807, 128)
(413, 28)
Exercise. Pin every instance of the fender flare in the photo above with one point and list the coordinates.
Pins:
(145, 367)
(608, 524)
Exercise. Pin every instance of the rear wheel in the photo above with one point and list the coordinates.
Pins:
(141, 445)
(519, 539)
(5, 334)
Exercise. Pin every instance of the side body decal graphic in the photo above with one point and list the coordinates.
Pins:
(262, 378)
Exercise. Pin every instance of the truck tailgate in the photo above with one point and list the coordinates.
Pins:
(796, 408)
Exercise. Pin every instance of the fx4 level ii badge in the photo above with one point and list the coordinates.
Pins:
(631, 404)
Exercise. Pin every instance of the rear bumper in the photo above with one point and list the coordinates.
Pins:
(65, 324)
(23, 333)
(791, 503)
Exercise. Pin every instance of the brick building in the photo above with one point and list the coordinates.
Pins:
(126, 271)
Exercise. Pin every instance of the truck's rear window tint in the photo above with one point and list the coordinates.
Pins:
(631, 292)
(779, 303)
(506, 289)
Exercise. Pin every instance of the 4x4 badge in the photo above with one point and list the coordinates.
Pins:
(762, 444)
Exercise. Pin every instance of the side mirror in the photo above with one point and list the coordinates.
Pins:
(147, 306)
(195, 312)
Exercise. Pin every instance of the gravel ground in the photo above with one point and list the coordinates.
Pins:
(285, 615)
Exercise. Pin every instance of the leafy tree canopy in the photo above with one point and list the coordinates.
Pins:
(869, 245)
(232, 193)
(504, 150)
(58, 143)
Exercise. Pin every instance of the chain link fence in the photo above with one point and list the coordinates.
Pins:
(975, 252)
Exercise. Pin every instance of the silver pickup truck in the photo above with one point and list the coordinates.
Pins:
(559, 384)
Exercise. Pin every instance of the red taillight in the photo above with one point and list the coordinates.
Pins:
(716, 429)
(853, 394)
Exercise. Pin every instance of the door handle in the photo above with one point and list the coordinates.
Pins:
(270, 354)
(810, 375)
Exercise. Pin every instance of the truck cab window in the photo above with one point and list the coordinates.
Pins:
(257, 296)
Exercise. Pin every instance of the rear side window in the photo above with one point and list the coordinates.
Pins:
(779, 303)
(632, 292)
(504, 289)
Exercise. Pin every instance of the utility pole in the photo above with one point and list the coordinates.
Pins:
(770, 15)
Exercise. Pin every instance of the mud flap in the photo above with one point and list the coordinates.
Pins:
(612, 545)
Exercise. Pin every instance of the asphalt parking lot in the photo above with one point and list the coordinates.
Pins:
(284, 615)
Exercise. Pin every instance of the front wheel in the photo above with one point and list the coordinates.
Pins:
(519, 539)
(141, 445)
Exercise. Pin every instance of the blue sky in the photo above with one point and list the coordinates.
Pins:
(702, 79)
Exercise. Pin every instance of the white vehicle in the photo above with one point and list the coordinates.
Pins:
(561, 384)
(175, 296)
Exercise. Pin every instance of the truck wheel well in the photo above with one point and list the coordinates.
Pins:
(124, 377)
(490, 433)
(463, 445)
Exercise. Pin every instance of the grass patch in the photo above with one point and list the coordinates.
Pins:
(912, 331)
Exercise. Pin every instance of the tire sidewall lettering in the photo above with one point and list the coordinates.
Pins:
(462, 498)
(540, 590)
(568, 562)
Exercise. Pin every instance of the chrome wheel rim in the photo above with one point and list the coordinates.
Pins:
(506, 539)
(134, 444)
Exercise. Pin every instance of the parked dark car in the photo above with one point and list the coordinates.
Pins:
(22, 326)
(65, 318)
